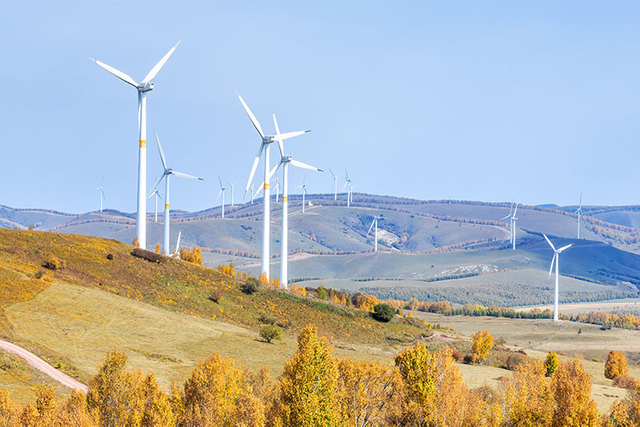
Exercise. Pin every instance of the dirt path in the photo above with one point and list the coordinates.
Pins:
(43, 366)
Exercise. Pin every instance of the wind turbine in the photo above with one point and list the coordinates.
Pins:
(335, 184)
(556, 259)
(513, 219)
(579, 213)
(265, 144)
(143, 88)
(102, 196)
(233, 187)
(157, 194)
(374, 223)
(304, 191)
(277, 188)
(347, 185)
(285, 161)
(166, 175)
(222, 190)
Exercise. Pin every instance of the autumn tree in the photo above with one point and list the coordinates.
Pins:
(75, 412)
(9, 410)
(616, 365)
(308, 384)
(365, 391)
(526, 396)
(435, 393)
(211, 393)
(194, 256)
(551, 363)
(481, 346)
(571, 387)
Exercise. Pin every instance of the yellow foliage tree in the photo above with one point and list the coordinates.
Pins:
(527, 397)
(616, 365)
(75, 412)
(435, 393)
(481, 346)
(308, 384)
(571, 387)
(193, 256)
(366, 391)
(9, 410)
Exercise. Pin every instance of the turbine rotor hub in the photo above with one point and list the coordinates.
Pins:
(145, 87)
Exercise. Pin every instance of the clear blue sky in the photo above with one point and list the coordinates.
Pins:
(467, 100)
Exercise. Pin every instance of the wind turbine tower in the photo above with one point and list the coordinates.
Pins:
(512, 228)
(102, 196)
(285, 161)
(166, 175)
(335, 185)
(556, 259)
(265, 145)
(157, 194)
(580, 215)
(374, 225)
(222, 190)
(304, 192)
(347, 185)
(143, 88)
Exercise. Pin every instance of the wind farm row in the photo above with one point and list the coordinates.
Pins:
(146, 85)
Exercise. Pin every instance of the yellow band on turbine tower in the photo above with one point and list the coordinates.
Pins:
(143, 143)
(284, 198)
(166, 206)
(266, 185)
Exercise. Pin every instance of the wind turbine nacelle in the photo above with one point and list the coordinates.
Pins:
(145, 87)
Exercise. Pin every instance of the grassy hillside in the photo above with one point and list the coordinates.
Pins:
(160, 313)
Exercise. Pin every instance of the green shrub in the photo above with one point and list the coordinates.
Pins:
(269, 320)
(271, 333)
(322, 293)
(383, 312)
(250, 286)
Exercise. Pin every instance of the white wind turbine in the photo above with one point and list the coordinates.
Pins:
(580, 215)
(265, 144)
(143, 88)
(233, 190)
(277, 188)
(512, 230)
(285, 161)
(335, 184)
(304, 192)
(556, 259)
(166, 175)
(347, 185)
(102, 196)
(222, 190)
(157, 194)
(374, 223)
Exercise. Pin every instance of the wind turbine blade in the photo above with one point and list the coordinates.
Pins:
(259, 190)
(162, 158)
(220, 181)
(254, 167)
(552, 261)
(345, 185)
(253, 119)
(580, 201)
(178, 243)
(516, 210)
(549, 242)
(275, 168)
(332, 174)
(156, 185)
(305, 166)
(119, 74)
(346, 174)
(508, 216)
(371, 226)
(288, 135)
(275, 124)
(159, 65)
(219, 194)
(564, 247)
(184, 175)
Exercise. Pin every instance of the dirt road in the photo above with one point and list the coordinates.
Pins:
(43, 366)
